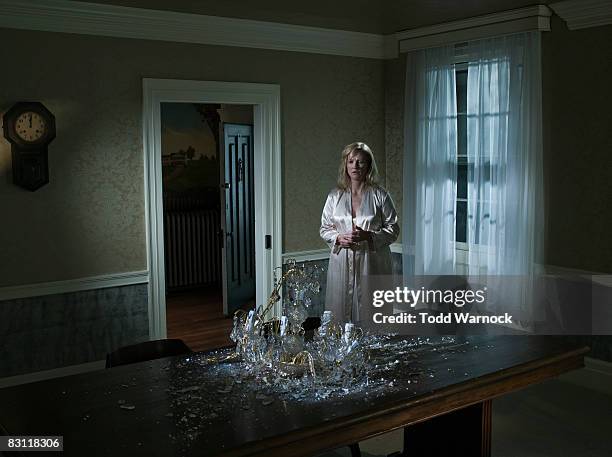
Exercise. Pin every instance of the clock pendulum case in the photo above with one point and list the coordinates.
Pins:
(29, 127)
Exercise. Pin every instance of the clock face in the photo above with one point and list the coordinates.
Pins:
(30, 126)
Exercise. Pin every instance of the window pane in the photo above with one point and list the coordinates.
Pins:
(462, 135)
(461, 222)
(462, 166)
(461, 87)
(462, 182)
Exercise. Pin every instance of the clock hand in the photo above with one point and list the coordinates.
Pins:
(30, 121)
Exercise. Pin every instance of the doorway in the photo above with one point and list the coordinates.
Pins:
(266, 180)
(209, 223)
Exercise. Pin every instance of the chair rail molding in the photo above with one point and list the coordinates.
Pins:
(581, 14)
(74, 285)
(307, 256)
(323, 254)
(139, 23)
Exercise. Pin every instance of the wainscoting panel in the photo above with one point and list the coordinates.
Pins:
(52, 331)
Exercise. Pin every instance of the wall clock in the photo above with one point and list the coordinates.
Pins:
(29, 127)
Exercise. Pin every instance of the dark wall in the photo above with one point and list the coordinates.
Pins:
(577, 96)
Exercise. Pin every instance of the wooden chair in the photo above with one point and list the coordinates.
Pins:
(149, 350)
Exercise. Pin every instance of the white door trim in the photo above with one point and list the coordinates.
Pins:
(268, 196)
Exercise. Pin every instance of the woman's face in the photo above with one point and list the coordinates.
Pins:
(357, 166)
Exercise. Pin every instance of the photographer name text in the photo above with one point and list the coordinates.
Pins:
(444, 318)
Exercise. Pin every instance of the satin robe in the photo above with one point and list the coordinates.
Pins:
(349, 268)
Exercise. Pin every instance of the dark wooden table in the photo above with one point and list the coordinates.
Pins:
(174, 407)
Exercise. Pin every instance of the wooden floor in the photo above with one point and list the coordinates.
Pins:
(196, 317)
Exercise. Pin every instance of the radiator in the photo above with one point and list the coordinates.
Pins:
(192, 249)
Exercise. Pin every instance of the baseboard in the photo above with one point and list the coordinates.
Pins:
(596, 375)
(74, 285)
(50, 374)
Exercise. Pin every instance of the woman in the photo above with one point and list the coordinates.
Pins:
(359, 222)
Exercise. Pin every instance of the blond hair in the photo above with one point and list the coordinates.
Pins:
(344, 181)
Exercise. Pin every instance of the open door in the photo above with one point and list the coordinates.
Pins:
(238, 223)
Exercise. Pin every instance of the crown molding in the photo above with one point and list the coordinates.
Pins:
(506, 22)
(581, 14)
(126, 22)
(391, 46)
(137, 23)
(74, 285)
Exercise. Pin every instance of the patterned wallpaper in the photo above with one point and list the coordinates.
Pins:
(90, 219)
(86, 221)
(346, 108)
(395, 71)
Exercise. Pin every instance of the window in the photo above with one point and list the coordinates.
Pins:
(473, 156)
(461, 74)
(495, 119)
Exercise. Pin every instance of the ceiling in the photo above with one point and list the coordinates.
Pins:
(374, 16)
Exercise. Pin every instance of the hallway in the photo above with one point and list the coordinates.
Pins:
(196, 317)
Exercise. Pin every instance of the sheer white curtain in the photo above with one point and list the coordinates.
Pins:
(430, 163)
(504, 149)
(505, 182)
